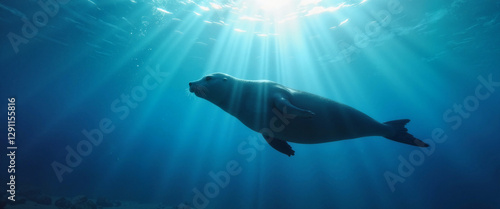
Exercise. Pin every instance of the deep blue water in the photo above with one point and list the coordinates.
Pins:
(81, 65)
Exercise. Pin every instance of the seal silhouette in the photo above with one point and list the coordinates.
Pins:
(283, 114)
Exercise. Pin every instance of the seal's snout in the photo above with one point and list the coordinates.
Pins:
(190, 87)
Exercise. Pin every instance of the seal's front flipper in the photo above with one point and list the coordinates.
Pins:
(286, 107)
(280, 145)
(401, 133)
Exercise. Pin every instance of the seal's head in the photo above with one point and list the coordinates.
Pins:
(214, 87)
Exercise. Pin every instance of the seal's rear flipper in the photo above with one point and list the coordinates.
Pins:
(402, 135)
(280, 145)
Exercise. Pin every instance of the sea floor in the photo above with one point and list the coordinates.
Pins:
(125, 205)
(28, 204)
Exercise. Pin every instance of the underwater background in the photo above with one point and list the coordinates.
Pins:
(103, 108)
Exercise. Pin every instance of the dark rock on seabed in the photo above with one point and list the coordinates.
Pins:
(79, 199)
(63, 203)
(85, 205)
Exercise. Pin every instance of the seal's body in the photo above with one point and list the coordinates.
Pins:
(283, 114)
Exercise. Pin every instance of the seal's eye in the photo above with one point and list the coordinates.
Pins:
(208, 78)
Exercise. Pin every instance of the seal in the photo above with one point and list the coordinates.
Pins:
(282, 114)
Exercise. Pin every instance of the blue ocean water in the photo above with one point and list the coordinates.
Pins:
(103, 108)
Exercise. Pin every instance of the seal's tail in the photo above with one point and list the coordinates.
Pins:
(401, 133)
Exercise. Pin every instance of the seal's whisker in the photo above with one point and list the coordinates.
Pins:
(189, 94)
